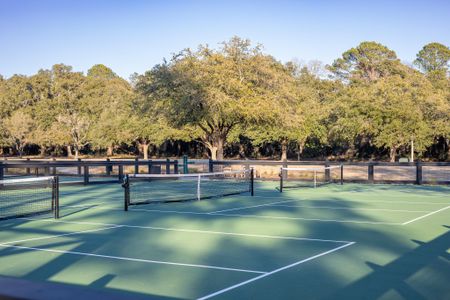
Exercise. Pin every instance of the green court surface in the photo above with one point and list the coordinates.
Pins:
(355, 241)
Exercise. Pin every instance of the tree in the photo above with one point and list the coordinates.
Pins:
(107, 102)
(215, 91)
(367, 62)
(434, 60)
(101, 71)
(76, 127)
(433, 57)
(18, 130)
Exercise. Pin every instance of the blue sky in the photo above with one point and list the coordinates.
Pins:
(132, 36)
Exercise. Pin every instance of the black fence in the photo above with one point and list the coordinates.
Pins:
(114, 170)
(84, 171)
(360, 172)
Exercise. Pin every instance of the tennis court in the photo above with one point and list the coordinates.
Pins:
(351, 241)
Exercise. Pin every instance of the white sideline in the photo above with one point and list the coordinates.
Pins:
(60, 235)
(193, 231)
(274, 271)
(132, 259)
(427, 215)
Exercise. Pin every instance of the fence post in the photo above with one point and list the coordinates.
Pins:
(175, 166)
(120, 173)
(47, 169)
(54, 168)
(149, 165)
(108, 167)
(342, 174)
(210, 165)
(370, 173)
(136, 165)
(167, 166)
(86, 174)
(418, 172)
(2, 172)
(28, 169)
(79, 167)
(185, 164)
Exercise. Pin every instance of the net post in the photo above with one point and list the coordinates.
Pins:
(210, 166)
(136, 165)
(55, 196)
(418, 172)
(175, 166)
(370, 172)
(281, 179)
(120, 173)
(252, 182)
(167, 166)
(342, 174)
(2, 171)
(86, 174)
(185, 164)
(198, 187)
(126, 186)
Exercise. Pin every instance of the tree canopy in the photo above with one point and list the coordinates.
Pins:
(237, 100)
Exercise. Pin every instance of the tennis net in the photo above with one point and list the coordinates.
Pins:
(149, 188)
(296, 177)
(28, 197)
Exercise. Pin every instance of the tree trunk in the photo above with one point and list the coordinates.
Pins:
(42, 151)
(301, 146)
(392, 153)
(110, 150)
(145, 147)
(69, 151)
(284, 148)
(216, 148)
(77, 151)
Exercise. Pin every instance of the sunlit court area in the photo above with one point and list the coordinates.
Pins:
(232, 150)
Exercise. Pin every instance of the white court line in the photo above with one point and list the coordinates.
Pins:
(356, 200)
(427, 215)
(193, 231)
(352, 208)
(256, 216)
(307, 219)
(132, 259)
(247, 207)
(60, 235)
(273, 272)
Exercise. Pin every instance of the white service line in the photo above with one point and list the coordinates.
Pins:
(352, 208)
(273, 272)
(60, 235)
(307, 219)
(194, 231)
(132, 259)
(427, 215)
